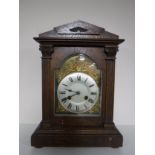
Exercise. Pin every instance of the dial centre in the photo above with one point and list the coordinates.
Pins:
(81, 90)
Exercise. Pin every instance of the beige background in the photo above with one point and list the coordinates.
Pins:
(37, 16)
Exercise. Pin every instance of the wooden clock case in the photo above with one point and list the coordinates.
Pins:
(57, 45)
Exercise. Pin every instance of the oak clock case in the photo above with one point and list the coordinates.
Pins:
(78, 71)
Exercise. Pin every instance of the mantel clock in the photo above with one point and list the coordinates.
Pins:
(78, 71)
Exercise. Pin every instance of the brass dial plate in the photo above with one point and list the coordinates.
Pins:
(78, 63)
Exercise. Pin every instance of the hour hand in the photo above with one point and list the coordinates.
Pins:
(64, 99)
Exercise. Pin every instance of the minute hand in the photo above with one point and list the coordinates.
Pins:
(70, 90)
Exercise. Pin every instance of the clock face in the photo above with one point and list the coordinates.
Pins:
(78, 92)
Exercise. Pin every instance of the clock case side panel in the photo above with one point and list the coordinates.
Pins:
(59, 56)
(110, 51)
(47, 50)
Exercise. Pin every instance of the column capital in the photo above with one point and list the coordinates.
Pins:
(47, 51)
(111, 50)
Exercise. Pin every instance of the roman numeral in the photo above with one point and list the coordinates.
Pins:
(77, 108)
(91, 85)
(90, 100)
(64, 85)
(62, 92)
(79, 77)
(93, 93)
(85, 80)
(70, 79)
(69, 106)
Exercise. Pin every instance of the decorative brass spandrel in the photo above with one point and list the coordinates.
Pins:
(78, 63)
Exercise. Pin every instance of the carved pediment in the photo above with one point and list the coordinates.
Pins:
(79, 27)
(78, 30)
